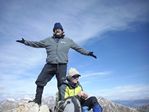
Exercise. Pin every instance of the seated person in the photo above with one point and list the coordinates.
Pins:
(71, 87)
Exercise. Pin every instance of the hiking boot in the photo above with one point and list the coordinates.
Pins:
(38, 96)
(35, 101)
(50, 110)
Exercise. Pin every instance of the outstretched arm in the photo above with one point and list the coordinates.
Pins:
(40, 44)
(81, 50)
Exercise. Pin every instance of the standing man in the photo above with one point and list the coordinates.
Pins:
(57, 47)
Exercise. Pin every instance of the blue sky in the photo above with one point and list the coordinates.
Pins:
(117, 32)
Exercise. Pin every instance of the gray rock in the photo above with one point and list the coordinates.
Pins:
(49, 102)
(25, 107)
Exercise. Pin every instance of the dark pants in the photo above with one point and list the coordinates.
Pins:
(49, 71)
(90, 102)
(46, 75)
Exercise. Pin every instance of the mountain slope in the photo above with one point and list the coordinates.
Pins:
(109, 106)
(23, 106)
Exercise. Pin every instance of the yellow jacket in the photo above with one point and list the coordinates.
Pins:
(68, 89)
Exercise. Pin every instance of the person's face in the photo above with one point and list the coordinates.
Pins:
(58, 32)
(75, 79)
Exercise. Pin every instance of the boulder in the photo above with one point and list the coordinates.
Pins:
(29, 107)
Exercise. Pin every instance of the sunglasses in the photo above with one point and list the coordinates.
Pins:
(75, 76)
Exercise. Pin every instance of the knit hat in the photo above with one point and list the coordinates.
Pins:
(57, 26)
(73, 72)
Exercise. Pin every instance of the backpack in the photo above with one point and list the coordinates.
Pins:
(71, 104)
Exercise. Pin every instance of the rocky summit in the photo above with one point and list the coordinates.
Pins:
(49, 102)
(22, 106)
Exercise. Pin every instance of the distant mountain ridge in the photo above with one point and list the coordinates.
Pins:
(109, 106)
(11, 105)
(133, 103)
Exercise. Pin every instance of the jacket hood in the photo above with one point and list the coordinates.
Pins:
(70, 84)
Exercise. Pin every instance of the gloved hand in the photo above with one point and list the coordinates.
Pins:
(21, 41)
(92, 54)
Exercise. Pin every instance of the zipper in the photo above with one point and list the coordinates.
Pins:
(57, 44)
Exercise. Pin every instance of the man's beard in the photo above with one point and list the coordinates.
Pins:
(56, 34)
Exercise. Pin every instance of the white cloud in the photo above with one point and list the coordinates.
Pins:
(82, 20)
(126, 92)
(17, 68)
(91, 74)
(17, 86)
